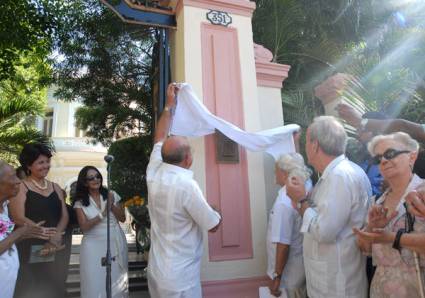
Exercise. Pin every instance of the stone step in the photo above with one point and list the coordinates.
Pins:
(73, 281)
(134, 287)
(138, 286)
(132, 265)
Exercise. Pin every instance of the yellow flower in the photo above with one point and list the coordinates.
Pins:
(129, 202)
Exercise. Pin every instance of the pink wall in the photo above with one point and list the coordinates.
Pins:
(227, 184)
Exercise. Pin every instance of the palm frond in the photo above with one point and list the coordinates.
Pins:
(12, 140)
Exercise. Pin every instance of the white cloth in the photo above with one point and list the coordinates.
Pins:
(9, 263)
(192, 119)
(93, 248)
(333, 263)
(179, 214)
(284, 227)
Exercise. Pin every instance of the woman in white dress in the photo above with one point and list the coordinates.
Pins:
(90, 206)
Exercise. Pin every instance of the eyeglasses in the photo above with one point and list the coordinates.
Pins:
(388, 155)
(96, 177)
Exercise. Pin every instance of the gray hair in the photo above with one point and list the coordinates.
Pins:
(330, 134)
(407, 142)
(3, 166)
(293, 164)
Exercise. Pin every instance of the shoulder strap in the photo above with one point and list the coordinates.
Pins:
(60, 195)
(26, 186)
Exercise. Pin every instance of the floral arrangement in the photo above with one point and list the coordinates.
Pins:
(6, 227)
(138, 208)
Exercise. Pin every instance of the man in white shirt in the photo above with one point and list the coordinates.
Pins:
(334, 265)
(179, 214)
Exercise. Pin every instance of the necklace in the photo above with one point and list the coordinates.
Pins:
(38, 185)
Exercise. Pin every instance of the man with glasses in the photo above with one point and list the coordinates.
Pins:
(178, 211)
(338, 202)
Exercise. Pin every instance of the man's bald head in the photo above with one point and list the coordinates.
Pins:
(176, 151)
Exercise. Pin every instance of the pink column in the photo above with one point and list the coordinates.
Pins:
(227, 184)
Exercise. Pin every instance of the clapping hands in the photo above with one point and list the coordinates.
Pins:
(378, 217)
(36, 231)
(416, 201)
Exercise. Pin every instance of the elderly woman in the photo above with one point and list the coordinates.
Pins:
(90, 201)
(9, 261)
(386, 234)
(284, 239)
(43, 264)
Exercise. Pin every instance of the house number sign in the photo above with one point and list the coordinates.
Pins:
(219, 18)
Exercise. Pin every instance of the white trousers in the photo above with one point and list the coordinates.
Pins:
(156, 292)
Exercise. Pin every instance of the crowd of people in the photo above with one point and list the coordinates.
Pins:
(318, 239)
(353, 212)
(36, 231)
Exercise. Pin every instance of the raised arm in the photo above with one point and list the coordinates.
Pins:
(415, 130)
(353, 117)
(163, 125)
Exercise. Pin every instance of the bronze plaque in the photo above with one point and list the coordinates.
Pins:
(227, 151)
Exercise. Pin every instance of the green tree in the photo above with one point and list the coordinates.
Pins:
(22, 97)
(26, 27)
(107, 65)
(380, 43)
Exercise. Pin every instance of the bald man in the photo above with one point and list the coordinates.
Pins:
(179, 214)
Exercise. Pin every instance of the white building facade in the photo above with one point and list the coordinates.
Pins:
(73, 149)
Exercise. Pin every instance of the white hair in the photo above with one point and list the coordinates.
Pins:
(3, 166)
(330, 134)
(407, 142)
(293, 164)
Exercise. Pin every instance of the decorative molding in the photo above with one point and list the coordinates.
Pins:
(238, 7)
(77, 145)
(269, 74)
(234, 288)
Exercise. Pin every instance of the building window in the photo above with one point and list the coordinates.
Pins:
(48, 124)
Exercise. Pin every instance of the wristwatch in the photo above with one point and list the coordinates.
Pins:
(276, 275)
(300, 202)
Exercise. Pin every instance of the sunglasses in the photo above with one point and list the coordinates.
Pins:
(388, 155)
(92, 178)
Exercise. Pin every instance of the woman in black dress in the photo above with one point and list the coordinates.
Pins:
(43, 264)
